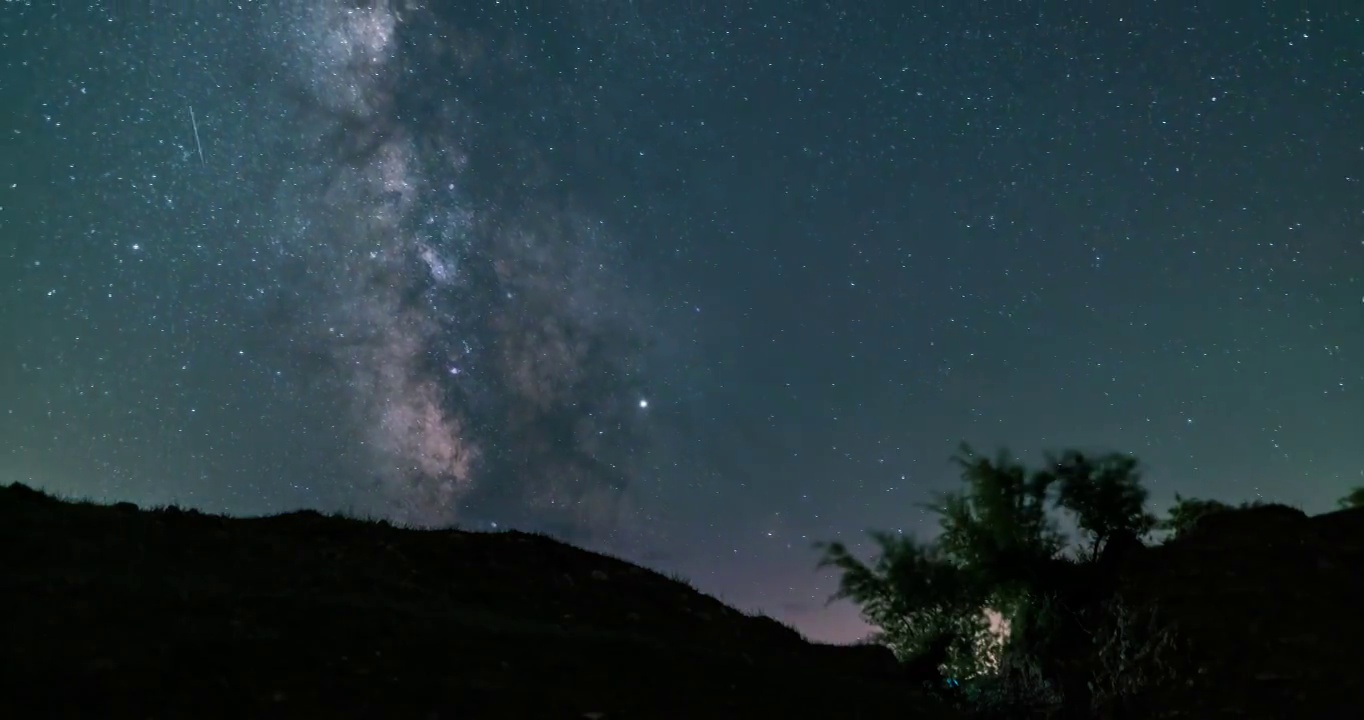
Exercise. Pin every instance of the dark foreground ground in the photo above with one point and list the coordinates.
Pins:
(1266, 606)
(117, 612)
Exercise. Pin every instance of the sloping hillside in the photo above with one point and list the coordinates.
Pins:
(113, 611)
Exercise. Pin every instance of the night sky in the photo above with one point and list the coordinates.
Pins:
(694, 282)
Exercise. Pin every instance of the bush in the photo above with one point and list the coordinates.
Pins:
(999, 550)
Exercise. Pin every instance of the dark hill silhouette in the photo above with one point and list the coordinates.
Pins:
(118, 612)
(1251, 613)
(115, 611)
(1263, 604)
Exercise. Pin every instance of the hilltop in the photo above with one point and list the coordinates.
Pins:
(117, 611)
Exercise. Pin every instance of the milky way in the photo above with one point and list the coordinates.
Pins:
(482, 322)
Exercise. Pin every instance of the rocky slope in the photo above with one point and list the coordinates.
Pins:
(114, 611)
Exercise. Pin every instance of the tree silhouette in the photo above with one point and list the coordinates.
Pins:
(999, 549)
(1355, 499)
(1186, 512)
(1106, 496)
(913, 594)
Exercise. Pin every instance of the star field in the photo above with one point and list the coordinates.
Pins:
(696, 283)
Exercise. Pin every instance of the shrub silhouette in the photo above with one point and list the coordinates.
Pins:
(1087, 635)
(999, 550)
